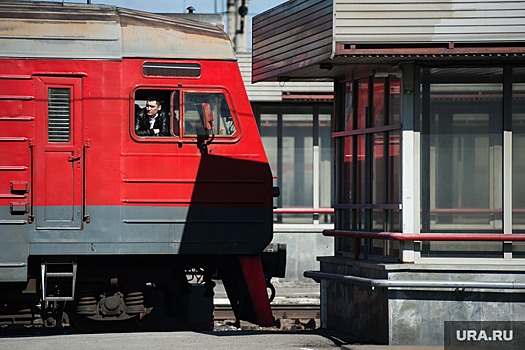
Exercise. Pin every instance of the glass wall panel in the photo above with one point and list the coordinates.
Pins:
(379, 153)
(394, 157)
(325, 162)
(347, 179)
(345, 217)
(370, 171)
(379, 103)
(347, 171)
(345, 165)
(287, 131)
(358, 194)
(394, 102)
(369, 160)
(518, 158)
(269, 134)
(348, 106)
(298, 158)
(379, 180)
(362, 103)
(464, 129)
(394, 183)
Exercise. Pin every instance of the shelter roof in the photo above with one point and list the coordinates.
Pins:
(326, 39)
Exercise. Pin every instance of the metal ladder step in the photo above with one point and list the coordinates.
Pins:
(59, 274)
(63, 273)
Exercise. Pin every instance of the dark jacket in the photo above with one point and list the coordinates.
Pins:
(142, 127)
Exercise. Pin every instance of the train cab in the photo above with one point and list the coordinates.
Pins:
(132, 171)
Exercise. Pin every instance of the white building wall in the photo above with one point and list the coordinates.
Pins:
(424, 21)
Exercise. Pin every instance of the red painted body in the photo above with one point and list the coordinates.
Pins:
(118, 170)
(102, 125)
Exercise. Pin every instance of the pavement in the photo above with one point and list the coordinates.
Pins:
(287, 293)
(236, 340)
(308, 293)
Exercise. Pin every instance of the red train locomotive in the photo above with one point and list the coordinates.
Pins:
(132, 174)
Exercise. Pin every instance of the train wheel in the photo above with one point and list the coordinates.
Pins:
(96, 311)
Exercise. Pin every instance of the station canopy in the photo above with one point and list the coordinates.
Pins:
(320, 39)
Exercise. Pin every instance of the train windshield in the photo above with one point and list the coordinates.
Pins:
(183, 114)
(207, 113)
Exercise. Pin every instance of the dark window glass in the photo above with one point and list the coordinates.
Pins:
(207, 114)
(188, 70)
(369, 174)
(462, 166)
(165, 110)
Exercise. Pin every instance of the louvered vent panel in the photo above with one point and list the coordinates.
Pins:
(59, 115)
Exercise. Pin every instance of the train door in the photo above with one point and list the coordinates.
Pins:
(59, 153)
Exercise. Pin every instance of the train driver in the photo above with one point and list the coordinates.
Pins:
(152, 120)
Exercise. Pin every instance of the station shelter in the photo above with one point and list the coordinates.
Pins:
(428, 134)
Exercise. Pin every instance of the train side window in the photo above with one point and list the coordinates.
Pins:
(179, 70)
(169, 109)
(207, 114)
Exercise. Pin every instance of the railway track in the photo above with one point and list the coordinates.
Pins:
(288, 317)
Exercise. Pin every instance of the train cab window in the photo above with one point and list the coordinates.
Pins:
(156, 113)
(162, 114)
(207, 114)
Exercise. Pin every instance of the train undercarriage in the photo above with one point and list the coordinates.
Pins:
(112, 294)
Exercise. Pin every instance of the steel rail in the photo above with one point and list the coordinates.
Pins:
(299, 311)
(399, 236)
(385, 283)
(303, 211)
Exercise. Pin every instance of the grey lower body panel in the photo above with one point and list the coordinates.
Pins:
(138, 231)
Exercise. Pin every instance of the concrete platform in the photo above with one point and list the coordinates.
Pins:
(389, 347)
(241, 340)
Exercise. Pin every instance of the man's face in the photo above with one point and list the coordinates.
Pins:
(152, 108)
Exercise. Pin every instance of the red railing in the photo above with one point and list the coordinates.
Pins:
(399, 236)
(303, 211)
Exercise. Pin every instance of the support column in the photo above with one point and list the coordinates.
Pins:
(410, 163)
